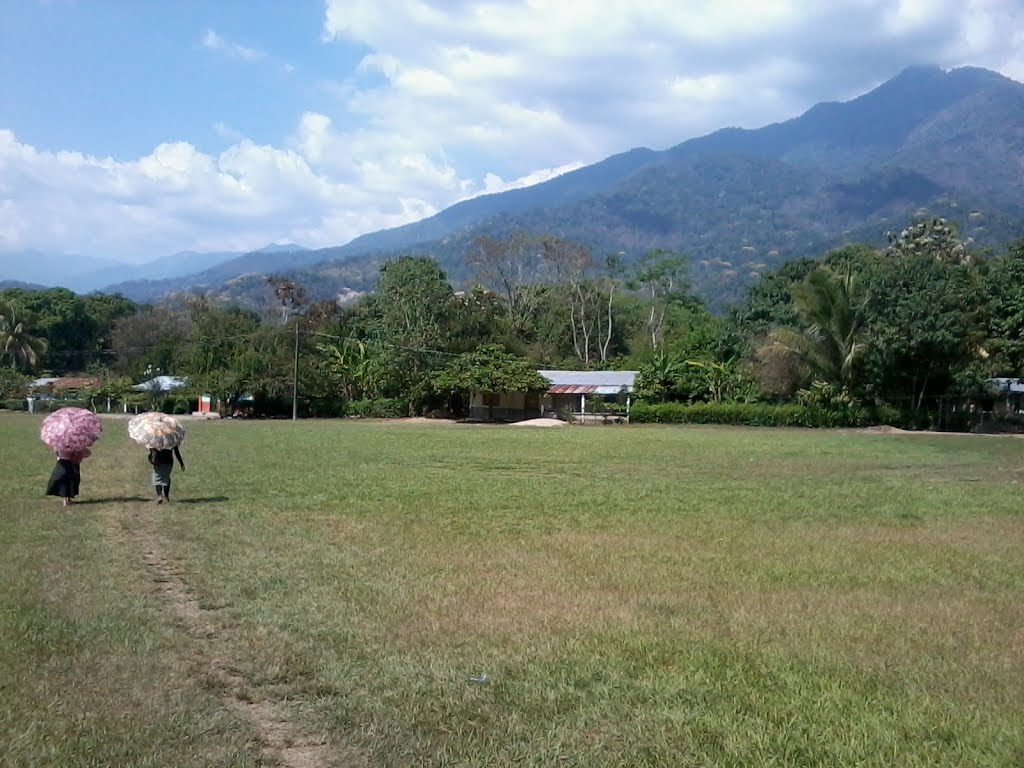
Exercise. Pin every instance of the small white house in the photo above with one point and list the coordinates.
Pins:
(565, 397)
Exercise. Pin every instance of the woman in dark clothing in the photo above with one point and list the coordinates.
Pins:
(162, 460)
(66, 478)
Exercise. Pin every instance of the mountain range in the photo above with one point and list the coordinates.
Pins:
(83, 274)
(738, 201)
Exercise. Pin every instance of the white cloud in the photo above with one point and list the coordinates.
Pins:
(494, 183)
(456, 96)
(215, 42)
(178, 197)
(225, 131)
(543, 82)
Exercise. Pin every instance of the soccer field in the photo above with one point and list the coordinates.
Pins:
(342, 593)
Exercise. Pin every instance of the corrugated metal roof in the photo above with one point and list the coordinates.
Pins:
(611, 390)
(72, 382)
(572, 389)
(590, 382)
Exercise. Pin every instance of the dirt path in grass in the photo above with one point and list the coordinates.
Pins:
(280, 738)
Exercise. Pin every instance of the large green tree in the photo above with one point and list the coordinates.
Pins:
(926, 316)
(488, 368)
(229, 353)
(1003, 292)
(151, 339)
(411, 324)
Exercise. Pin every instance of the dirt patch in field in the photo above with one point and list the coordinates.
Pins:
(885, 429)
(282, 741)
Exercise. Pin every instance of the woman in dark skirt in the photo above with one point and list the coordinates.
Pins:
(163, 464)
(66, 478)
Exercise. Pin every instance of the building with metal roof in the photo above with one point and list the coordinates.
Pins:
(589, 382)
(566, 397)
(63, 385)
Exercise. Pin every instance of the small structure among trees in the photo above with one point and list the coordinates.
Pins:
(569, 395)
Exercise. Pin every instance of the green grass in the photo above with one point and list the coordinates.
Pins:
(644, 596)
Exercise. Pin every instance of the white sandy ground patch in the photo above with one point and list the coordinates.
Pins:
(539, 423)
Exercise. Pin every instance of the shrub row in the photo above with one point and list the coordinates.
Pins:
(383, 408)
(175, 405)
(323, 408)
(49, 406)
(761, 415)
(332, 408)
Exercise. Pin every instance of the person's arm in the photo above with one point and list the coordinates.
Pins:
(177, 453)
(151, 458)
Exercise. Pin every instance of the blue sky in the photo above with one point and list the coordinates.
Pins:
(117, 77)
(130, 129)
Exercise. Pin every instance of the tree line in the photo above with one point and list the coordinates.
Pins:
(925, 321)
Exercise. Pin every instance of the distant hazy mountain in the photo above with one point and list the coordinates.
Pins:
(281, 248)
(174, 265)
(737, 201)
(214, 270)
(47, 268)
(8, 285)
(83, 275)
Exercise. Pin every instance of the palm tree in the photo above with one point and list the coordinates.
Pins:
(831, 342)
(659, 376)
(15, 341)
(350, 364)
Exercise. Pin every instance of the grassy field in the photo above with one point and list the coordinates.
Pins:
(329, 594)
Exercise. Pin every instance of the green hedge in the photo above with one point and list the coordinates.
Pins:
(175, 405)
(383, 408)
(324, 408)
(760, 415)
(14, 404)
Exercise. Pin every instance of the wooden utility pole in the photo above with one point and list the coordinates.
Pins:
(295, 375)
